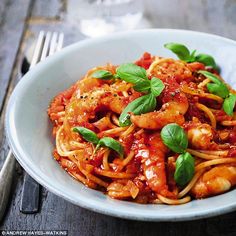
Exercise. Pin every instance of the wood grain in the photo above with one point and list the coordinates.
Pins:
(11, 31)
(213, 16)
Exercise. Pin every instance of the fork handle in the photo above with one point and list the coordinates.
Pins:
(30, 196)
(6, 177)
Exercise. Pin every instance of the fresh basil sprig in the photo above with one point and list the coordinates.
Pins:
(142, 86)
(174, 137)
(92, 137)
(210, 76)
(111, 143)
(219, 88)
(229, 104)
(184, 54)
(87, 134)
(131, 73)
(156, 86)
(184, 169)
(206, 59)
(103, 74)
(144, 104)
(136, 75)
(180, 50)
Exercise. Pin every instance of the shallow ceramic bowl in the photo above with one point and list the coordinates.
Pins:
(29, 130)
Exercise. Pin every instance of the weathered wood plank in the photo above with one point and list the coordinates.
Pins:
(12, 26)
(10, 37)
(52, 11)
(11, 30)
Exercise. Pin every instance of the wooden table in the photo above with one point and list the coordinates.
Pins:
(20, 22)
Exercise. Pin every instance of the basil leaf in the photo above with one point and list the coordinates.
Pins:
(144, 104)
(210, 76)
(229, 104)
(174, 137)
(131, 73)
(183, 53)
(143, 86)
(218, 89)
(192, 55)
(102, 74)
(111, 143)
(157, 86)
(87, 134)
(207, 60)
(180, 50)
(184, 169)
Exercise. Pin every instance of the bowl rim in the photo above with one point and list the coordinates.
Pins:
(22, 157)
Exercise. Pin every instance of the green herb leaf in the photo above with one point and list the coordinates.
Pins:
(144, 104)
(157, 86)
(192, 55)
(229, 104)
(210, 76)
(111, 143)
(174, 137)
(102, 74)
(184, 169)
(183, 54)
(131, 73)
(218, 89)
(143, 86)
(180, 50)
(206, 59)
(87, 134)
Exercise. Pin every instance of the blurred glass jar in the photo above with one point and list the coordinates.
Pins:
(100, 17)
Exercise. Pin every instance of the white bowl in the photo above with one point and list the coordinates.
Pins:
(29, 130)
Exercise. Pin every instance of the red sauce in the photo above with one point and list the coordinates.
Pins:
(193, 111)
(232, 137)
(145, 61)
(232, 152)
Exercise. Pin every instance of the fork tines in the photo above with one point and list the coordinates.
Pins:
(47, 44)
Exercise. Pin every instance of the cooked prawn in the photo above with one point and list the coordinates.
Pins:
(167, 67)
(200, 135)
(154, 165)
(123, 189)
(83, 107)
(215, 181)
(175, 105)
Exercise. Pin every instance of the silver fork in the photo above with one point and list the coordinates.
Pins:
(47, 44)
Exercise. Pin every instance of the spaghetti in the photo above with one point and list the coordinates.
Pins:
(145, 174)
